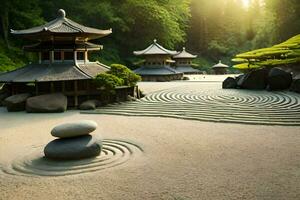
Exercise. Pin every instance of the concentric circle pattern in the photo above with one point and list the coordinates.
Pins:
(210, 103)
(114, 153)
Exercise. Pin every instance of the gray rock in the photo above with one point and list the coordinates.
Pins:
(90, 105)
(16, 102)
(75, 129)
(295, 87)
(254, 80)
(2, 97)
(229, 83)
(74, 148)
(130, 98)
(278, 79)
(49, 103)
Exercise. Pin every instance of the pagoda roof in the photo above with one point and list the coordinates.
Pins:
(47, 46)
(62, 27)
(155, 49)
(156, 71)
(184, 54)
(54, 72)
(220, 65)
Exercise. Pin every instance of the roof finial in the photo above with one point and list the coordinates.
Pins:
(220, 61)
(155, 40)
(61, 13)
(183, 48)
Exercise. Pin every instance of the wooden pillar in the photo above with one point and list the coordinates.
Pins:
(52, 87)
(75, 57)
(63, 86)
(62, 55)
(51, 56)
(40, 57)
(75, 94)
(86, 57)
(36, 88)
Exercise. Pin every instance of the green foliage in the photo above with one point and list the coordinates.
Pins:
(108, 82)
(285, 53)
(129, 77)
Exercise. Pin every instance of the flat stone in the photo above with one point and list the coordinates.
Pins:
(75, 129)
(48, 103)
(90, 105)
(16, 102)
(87, 146)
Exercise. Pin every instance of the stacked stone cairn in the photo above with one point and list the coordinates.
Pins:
(74, 141)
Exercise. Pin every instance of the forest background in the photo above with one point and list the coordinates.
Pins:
(212, 29)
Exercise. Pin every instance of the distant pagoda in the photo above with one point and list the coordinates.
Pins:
(220, 68)
(184, 62)
(157, 64)
(63, 65)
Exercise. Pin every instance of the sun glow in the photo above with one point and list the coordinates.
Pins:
(246, 3)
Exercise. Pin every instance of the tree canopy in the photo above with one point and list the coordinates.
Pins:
(214, 30)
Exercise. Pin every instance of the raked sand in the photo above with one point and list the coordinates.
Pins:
(181, 159)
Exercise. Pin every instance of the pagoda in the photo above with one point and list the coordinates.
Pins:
(157, 64)
(220, 68)
(63, 65)
(184, 62)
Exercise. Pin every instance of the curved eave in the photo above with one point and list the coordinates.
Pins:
(185, 57)
(155, 49)
(220, 67)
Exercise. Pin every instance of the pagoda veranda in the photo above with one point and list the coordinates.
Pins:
(63, 65)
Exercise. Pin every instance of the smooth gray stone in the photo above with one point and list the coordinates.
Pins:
(254, 80)
(229, 83)
(90, 105)
(48, 103)
(75, 129)
(16, 102)
(278, 79)
(74, 148)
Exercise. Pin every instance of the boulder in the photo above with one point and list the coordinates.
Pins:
(279, 79)
(2, 97)
(295, 87)
(16, 102)
(90, 105)
(49, 103)
(74, 148)
(229, 83)
(75, 129)
(254, 80)
(130, 98)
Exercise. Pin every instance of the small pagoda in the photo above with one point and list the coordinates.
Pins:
(184, 62)
(157, 64)
(220, 68)
(63, 64)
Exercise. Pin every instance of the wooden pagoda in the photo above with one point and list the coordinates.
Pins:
(184, 62)
(63, 64)
(157, 64)
(220, 68)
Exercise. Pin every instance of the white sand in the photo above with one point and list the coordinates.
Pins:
(182, 160)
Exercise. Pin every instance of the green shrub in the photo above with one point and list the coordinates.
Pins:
(108, 82)
(124, 73)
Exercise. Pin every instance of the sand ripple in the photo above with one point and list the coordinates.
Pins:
(114, 153)
(213, 104)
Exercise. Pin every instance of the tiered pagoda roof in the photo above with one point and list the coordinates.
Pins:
(55, 72)
(184, 55)
(155, 49)
(60, 27)
(220, 65)
(59, 35)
